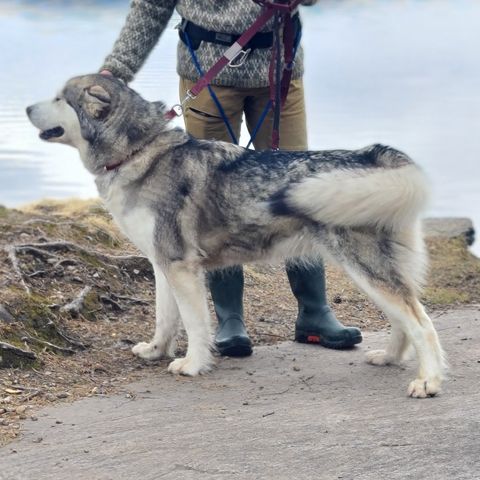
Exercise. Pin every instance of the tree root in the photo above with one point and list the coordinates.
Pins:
(53, 327)
(52, 346)
(34, 251)
(109, 301)
(43, 251)
(12, 256)
(76, 306)
(31, 395)
(137, 301)
(119, 261)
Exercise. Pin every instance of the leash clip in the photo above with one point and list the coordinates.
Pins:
(239, 59)
(177, 110)
(188, 96)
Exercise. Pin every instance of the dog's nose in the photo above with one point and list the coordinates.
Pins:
(29, 110)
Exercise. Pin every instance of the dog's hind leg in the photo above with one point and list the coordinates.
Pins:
(395, 350)
(188, 285)
(386, 267)
(410, 323)
(166, 323)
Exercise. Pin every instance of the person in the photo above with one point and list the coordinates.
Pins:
(242, 89)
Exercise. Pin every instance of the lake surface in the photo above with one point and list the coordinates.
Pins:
(404, 73)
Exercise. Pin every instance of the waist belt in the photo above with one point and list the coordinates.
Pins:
(198, 34)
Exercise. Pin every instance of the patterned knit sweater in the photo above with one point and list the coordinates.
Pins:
(147, 20)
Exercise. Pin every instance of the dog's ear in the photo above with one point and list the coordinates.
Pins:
(97, 102)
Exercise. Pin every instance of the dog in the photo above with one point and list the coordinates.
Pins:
(193, 205)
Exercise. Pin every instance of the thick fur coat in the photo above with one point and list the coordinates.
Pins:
(192, 205)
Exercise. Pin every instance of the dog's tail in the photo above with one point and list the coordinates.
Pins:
(390, 191)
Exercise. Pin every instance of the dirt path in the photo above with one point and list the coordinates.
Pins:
(290, 411)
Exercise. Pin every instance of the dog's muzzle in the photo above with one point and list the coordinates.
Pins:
(48, 133)
(51, 133)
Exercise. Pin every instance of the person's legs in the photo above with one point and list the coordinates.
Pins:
(203, 120)
(293, 127)
(202, 117)
(316, 323)
(226, 287)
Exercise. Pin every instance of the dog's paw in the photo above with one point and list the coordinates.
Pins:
(422, 388)
(147, 351)
(189, 366)
(377, 357)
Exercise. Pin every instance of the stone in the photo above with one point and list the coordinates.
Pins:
(21, 410)
(5, 315)
(450, 227)
(14, 357)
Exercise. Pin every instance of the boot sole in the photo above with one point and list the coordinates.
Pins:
(235, 347)
(315, 339)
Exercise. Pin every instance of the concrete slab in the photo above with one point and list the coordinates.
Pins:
(289, 412)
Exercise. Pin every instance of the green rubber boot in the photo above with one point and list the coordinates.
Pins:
(316, 323)
(226, 287)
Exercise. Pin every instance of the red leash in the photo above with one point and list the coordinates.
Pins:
(270, 9)
(280, 82)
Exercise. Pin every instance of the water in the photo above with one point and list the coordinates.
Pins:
(400, 72)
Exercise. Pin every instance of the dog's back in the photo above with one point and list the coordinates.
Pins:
(385, 190)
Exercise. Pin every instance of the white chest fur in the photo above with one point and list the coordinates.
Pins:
(137, 223)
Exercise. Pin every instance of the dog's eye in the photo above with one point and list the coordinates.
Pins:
(57, 99)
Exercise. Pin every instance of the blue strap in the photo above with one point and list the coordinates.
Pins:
(259, 123)
(215, 99)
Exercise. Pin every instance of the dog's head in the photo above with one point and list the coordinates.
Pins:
(100, 116)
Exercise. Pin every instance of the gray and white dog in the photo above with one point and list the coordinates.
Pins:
(191, 205)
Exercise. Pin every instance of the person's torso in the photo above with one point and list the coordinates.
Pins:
(232, 16)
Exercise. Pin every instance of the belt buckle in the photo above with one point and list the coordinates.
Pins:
(240, 58)
(182, 26)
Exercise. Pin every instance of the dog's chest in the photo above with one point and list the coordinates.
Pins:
(137, 223)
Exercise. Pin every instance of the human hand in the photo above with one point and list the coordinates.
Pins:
(108, 73)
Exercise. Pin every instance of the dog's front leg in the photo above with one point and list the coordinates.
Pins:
(166, 323)
(188, 285)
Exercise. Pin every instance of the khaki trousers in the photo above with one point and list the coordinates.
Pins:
(202, 119)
